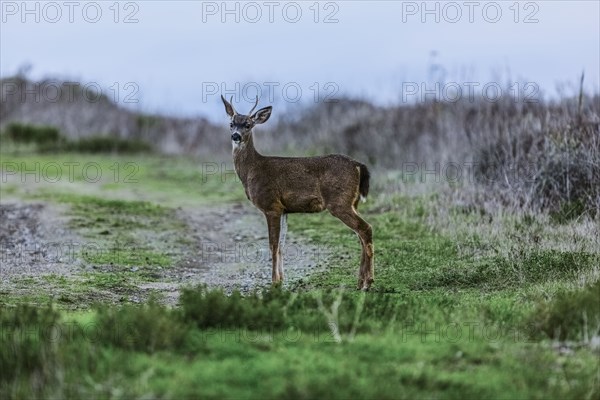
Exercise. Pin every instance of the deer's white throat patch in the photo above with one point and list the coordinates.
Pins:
(236, 145)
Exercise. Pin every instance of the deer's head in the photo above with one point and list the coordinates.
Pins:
(241, 125)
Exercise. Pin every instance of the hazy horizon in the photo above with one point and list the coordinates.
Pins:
(177, 57)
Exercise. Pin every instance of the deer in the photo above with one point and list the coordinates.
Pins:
(279, 186)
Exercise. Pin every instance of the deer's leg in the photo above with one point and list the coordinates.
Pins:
(369, 256)
(365, 233)
(282, 233)
(363, 261)
(274, 225)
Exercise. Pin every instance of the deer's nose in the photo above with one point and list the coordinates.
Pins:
(236, 137)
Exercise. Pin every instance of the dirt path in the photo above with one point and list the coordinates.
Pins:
(229, 250)
(35, 241)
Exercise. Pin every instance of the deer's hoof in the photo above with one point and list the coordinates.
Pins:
(360, 284)
(278, 283)
(365, 285)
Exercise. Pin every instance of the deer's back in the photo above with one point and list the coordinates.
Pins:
(303, 184)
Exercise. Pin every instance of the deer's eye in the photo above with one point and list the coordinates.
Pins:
(248, 126)
(231, 125)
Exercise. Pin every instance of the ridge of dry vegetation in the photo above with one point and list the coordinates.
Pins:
(530, 154)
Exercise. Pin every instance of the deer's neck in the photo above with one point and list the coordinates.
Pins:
(245, 157)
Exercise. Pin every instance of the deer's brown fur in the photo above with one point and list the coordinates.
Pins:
(281, 185)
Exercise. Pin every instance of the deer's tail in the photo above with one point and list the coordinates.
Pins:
(363, 186)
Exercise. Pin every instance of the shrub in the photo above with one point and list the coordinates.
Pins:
(146, 328)
(48, 139)
(36, 134)
(570, 315)
(570, 210)
(28, 344)
(278, 309)
(214, 309)
(106, 144)
(555, 169)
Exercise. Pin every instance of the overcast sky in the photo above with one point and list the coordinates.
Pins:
(175, 57)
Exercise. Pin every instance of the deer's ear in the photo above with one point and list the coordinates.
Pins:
(262, 115)
(228, 107)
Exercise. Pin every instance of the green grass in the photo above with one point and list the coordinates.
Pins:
(171, 181)
(305, 369)
(73, 292)
(122, 234)
(465, 304)
(150, 350)
(125, 232)
(444, 278)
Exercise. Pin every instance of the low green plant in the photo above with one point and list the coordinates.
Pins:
(28, 341)
(37, 134)
(571, 315)
(214, 309)
(48, 139)
(148, 328)
(108, 144)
